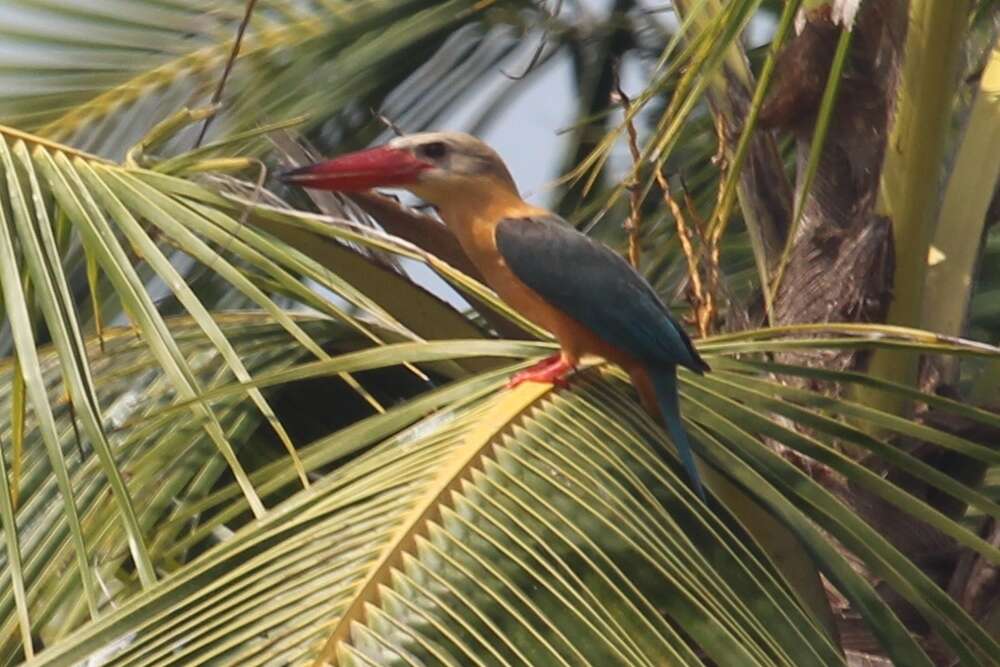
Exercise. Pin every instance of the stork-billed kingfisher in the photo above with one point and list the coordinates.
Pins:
(582, 291)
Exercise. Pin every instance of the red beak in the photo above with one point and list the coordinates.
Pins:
(376, 167)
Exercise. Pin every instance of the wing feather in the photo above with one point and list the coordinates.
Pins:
(595, 286)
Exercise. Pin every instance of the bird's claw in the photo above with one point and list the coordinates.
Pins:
(551, 370)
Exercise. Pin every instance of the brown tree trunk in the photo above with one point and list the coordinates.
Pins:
(841, 264)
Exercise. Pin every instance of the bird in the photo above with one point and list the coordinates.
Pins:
(579, 289)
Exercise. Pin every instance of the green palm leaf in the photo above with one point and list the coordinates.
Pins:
(589, 491)
(237, 436)
(130, 384)
(483, 547)
(143, 60)
(529, 518)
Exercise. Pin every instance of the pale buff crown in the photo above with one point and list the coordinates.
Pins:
(459, 159)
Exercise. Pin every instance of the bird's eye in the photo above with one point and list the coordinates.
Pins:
(434, 150)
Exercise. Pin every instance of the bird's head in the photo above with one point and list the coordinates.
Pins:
(435, 166)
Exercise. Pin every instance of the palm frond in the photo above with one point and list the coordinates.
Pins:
(143, 60)
(536, 522)
(129, 384)
(437, 559)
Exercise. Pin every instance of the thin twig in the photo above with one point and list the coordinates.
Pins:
(247, 210)
(618, 96)
(719, 158)
(229, 67)
(388, 122)
(709, 248)
(76, 429)
(685, 236)
(244, 217)
(713, 240)
(541, 47)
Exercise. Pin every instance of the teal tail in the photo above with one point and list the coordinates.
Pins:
(664, 380)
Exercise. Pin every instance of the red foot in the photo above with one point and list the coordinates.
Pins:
(551, 370)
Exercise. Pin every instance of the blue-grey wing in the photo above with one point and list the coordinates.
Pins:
(594, 285)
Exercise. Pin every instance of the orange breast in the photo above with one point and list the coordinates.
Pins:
(478, 239)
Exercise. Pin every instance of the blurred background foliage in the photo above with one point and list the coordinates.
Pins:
(244, 425)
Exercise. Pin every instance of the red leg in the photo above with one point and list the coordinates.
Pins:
(551, 370)
(544, 363)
